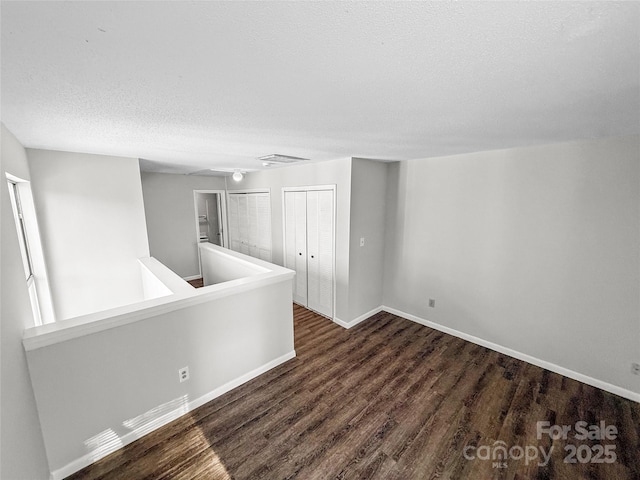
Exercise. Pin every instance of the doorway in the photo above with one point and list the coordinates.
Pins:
(209, 216)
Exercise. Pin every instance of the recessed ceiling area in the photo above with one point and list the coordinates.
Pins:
(203, 85)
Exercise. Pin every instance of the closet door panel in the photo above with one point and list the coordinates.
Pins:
(234, 233)
(325, 251)
(243, 223)
(296, 242)
(289, 232)
(312, 250)
(320, 213)
(263, 211)
(252, 225)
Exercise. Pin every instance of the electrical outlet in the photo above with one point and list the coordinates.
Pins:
(362, 241)
(432, 303)
(635, 368)
(183, 374)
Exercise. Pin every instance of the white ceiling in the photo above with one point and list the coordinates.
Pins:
(216, 84)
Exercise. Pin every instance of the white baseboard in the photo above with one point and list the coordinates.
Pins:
(240, 380)
(86, 460)
(357, 320)
(192, 277)
(594, 382)
(89, 458)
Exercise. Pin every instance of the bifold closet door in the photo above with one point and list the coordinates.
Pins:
(296, 242)
(309, 247)
(250, 224)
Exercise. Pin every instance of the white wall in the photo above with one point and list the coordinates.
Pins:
(170, 216)
(22, 453)
(368, 213)
(535, 249)
(91, 215)
(117, 384)
(336, 172)
(219, 266)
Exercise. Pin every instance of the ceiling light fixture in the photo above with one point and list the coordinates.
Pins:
(237, 175)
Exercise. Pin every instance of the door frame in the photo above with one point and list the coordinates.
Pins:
(222, 213)
(310, 188)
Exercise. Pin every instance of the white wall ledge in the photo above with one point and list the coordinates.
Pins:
(226, 333)
(254, 265)
(168, 277)
(61, 331)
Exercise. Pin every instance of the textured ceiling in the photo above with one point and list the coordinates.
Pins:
(216, 84)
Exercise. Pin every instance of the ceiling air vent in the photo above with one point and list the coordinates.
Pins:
(221, 172)
(276, 158)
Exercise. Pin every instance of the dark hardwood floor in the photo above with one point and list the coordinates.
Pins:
(388, 399)
(197, 283)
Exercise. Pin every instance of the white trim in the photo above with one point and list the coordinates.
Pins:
(230, 385)
(594, 382)
(192, 277)
(357, 320)
(86, 460)
(14, 179)
(335, 249)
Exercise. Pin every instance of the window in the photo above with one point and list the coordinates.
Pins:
(22, 231)
(27, 258)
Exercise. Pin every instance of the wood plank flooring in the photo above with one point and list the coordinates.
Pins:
(197, 283)
(387, 399)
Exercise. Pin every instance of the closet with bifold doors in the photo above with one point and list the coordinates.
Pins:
(250, 222)
(309, 233)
